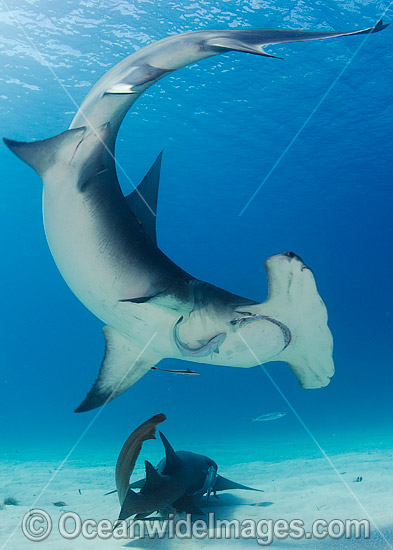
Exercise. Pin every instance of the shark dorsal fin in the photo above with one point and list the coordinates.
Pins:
(143, 201)
(153, 478)
(172, 461)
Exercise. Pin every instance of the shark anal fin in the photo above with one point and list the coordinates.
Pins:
(224, 484)
(138, 76)
(143, 200)
(122, 366)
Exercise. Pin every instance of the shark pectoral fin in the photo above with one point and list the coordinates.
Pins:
(224, 484)
(143, 201)
(187, 504)
(124, 364)
(132, 502)
(138, 484)
(139, 77)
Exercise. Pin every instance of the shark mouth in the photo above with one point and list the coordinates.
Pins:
(239, 322)
(207, 347)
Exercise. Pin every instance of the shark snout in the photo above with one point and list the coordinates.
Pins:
(293, 255)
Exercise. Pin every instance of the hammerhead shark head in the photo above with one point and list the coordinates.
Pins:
(105, 245)
(179, 480)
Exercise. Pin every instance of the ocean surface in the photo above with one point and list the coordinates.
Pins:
(308, 138)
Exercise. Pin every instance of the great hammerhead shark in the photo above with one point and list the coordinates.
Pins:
(105, 246)
(179, 480)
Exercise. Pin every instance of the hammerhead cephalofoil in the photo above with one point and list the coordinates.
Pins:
(105, 246)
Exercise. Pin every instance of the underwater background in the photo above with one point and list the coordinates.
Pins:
(225, 125)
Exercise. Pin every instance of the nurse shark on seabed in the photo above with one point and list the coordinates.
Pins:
(105, 245)
(178, 482)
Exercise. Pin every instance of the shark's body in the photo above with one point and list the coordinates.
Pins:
(177, 482)
(104, 244)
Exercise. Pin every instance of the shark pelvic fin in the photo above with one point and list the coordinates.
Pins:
(143, 201)
(40, 155)
(122, 366)
(80, 150)
(172, 461)
(224, 484)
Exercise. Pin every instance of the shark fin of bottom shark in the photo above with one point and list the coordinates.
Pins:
(122, 366)
(187, 504)
(131, 503)
(143, 201)
(224, 484)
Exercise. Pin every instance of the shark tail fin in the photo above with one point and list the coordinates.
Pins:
(40, 155)
(294, 301)
(253, 40)
(224, 484)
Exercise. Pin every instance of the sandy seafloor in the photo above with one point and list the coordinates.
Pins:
(303, 485)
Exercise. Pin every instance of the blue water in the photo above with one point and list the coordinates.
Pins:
(223, 124)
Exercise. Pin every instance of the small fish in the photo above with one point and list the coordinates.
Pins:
(269, 416)
(187, 371)
(59, 503)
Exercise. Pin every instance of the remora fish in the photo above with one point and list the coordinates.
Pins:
(105, 246)
(178, 481)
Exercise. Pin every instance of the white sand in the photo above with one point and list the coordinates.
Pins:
(306, 489)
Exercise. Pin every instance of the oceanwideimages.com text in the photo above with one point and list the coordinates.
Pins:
(37, 525)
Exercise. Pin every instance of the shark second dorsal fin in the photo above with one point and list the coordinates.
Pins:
(143, 201)
(153, 479)
(172, 461)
